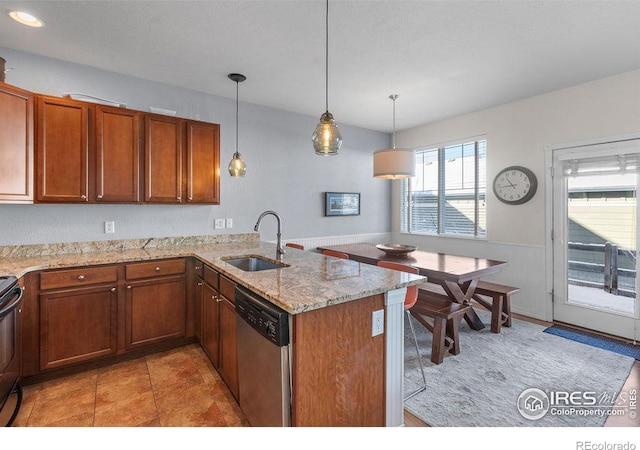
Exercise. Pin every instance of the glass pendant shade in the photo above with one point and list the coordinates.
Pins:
(394, 163)
(326, 137)
(237, 167)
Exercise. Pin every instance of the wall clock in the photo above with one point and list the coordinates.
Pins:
(515, 185)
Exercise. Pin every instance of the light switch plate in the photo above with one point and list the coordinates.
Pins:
(377, 325)
(218, 224)
(229, 223)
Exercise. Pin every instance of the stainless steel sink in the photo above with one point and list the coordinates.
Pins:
(253, 263)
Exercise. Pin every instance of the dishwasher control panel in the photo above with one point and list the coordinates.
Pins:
(263, 316)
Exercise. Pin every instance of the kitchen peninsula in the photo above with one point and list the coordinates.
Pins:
(341, 375)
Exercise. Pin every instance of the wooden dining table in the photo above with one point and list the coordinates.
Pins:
(458, 275)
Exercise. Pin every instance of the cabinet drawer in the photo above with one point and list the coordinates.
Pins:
(78, 277)
(228, 289)
(154, 269)
(211, 277)
(199, 268)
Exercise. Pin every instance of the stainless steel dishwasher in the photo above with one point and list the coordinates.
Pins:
(263, 360)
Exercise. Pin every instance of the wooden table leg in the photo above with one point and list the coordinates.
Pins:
(457, 294)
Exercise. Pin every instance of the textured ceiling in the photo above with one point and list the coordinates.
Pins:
(443, 58)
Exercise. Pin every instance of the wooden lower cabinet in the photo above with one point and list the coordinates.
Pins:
(218, 339)
(228, 346)
(199, 296)
(154, 311)
(77, 325)
(210, 317)
(82, 314)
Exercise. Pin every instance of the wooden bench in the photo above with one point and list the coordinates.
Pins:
(445, 318)
(500, 305)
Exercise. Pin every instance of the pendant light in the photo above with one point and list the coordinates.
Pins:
(394, 163)
(326, 137)
(237, 167)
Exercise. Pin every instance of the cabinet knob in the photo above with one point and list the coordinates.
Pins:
(199, 284)
(129, 287)
(113, 289)
(83, 197)
(198, 267)
(179, 198)
(99, 195)
(190, 198)
(80, 277)
(157, 269)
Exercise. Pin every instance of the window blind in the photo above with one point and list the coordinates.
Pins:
(447, 195)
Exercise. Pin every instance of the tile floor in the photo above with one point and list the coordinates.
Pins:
(176, 388)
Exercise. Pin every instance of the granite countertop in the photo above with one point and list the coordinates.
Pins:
(311, 281)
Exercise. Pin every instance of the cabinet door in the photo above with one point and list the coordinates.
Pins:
(163, 159)
(154, 311)
(16, 143)
(199, 296)
(228, 346)
(62, 150)
(77, 325)
(117, 160)
(210, 331)
(203, 162)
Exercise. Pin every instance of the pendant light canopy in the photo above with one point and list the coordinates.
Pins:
(326, 138)
(394, 163)
(237, 167)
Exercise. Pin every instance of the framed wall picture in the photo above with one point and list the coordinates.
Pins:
(341, 203)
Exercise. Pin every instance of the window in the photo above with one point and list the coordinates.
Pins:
(447, 195)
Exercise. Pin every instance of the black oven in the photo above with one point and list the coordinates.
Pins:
(10, 310)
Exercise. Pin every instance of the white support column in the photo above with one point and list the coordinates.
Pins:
(394, 302)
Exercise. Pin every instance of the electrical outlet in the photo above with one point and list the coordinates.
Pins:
(110, 227)
(218, 224)
(229, 223)
(377, 322)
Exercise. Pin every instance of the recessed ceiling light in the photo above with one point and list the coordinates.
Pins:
(25, 18)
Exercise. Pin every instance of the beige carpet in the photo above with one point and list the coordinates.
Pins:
(481, 385)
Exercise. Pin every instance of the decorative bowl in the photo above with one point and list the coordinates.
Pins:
(396, 249)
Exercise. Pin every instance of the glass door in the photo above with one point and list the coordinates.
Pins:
(595, 237)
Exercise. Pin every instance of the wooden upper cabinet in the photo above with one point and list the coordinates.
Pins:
(62, 150)
(203, 162)
(16, 145)
(117, 155)
(163, 159)
(92, 153)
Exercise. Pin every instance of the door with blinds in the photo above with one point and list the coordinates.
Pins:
(595, 235)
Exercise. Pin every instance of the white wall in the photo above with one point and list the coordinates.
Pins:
(285, 175)
(517, 134)
(283, 172)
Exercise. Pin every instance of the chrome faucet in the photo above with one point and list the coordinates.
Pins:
(279, 249)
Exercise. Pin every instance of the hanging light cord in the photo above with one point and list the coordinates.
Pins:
(393, 136)
(326, 62)
(237, 121)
